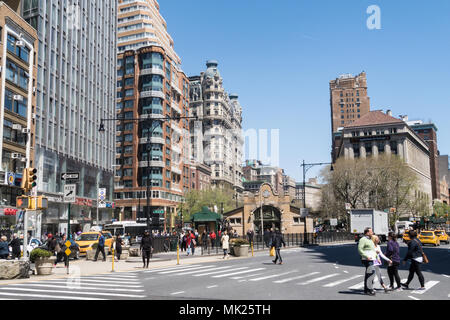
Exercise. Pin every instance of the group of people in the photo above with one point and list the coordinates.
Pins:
(371, 255)
(14, 244)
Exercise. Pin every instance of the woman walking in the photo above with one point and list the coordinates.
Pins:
(4, 249)
(119, 244)
(377, 262)
(393, 253)
(415, 254)
(225, 244)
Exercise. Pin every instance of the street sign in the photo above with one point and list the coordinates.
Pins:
(68, 244)
(70, 176)
(348, 206)
(304, 212)
(70, 193)
(101, 197)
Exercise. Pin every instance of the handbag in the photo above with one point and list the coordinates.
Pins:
(272, 251)
(424, 257)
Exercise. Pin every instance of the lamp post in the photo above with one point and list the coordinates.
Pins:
(149, 133)
(306, 167)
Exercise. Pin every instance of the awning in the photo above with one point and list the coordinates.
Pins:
(206, 215)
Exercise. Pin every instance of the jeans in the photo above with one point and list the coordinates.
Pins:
(393, 274)
(369, 275)
(415, 268)
(146, 253)
(188, 249)
(378, 273)
(102, 250)
(278, 255)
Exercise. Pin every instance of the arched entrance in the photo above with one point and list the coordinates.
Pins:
(271, 218)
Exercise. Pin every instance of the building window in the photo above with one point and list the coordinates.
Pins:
(16, 75)
(393, 145)
(22, 52)
(16, 106)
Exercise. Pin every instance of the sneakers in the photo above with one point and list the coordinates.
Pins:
(274, 262)
(398, 289)
(370, 293)
(421, 288)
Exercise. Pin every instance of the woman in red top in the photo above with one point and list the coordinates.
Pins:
(188, 242)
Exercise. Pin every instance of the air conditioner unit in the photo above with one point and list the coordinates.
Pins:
(18, 97)
(34, 89)
(15, 155)
(33, 115)
(26, 130)
(20, 43)
(17, 127)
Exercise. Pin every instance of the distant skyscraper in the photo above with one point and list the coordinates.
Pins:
(349, 102)
(75, 88)
(216, 140)
(150, 85)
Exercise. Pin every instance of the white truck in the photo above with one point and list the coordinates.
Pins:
(361, 219)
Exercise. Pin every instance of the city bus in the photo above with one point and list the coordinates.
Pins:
(126, 227)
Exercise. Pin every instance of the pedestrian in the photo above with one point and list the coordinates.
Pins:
(277, 240)
(205, 240)
(59, 249)
(250, 235)
(366, 249)
(4, 249)
(225, 244)
(15, 247)
(415, 255)
(194, 239)
(393, 253)
(183, 241)
(51, 243)
(377, 262)
(188, 242)
(100, 247)
(267, 237)
(235, 235)
(213, 238)
(146, 247)
(119, 244)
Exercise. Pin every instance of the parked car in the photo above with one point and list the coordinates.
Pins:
(87, 239)
(429, 237)
(443, 236)
(32, 244)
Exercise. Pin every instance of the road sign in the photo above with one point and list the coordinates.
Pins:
(70, 191)
(70, 176)
(101, 197)
(68, 244)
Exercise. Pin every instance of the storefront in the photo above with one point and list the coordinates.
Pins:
(8, 221)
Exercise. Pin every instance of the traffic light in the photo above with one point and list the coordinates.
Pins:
(29, 179)
(22, 202)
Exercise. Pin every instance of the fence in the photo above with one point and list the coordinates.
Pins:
(166, 244)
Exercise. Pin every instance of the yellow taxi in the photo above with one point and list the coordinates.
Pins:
(87, 239)
(429, 237)
(443, 236)
(406, 236)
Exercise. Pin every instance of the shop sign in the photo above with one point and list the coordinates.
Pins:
(83, 202)
(8, 212)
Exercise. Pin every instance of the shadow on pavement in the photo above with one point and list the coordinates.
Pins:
(347, 255)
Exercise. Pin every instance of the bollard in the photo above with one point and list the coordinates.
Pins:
(113, 257)
(178, 253)
(252, 248)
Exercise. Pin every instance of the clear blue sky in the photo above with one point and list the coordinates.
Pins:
(279, 56)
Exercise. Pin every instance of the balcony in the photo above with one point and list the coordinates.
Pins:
(144, 164)
(147, 71)
(175, 107)
(176, 149)
(176, 128)
(175, 87)
(157, 140)
(152, 94)
(176, 189)
(151, 116)
(175, 170)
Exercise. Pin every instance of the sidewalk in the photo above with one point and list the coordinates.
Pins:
(84, 267)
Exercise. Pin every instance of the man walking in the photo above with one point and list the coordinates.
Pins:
(146, 247)
(15, 245)
(277, 240)
(100, 247)
(366, 249)
(213, 238)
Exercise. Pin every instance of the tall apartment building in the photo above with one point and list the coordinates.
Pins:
(444, 178)
(75, 89)
(18, 47)
(217, 139)
(255, 173)
(348, 102)
(150, 86)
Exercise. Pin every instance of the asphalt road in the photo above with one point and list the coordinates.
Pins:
(322, 272)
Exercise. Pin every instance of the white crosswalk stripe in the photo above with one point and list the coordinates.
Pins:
(87, 284)
(174, 271)
(333, 284)
(296, 278)
(216, 272)
(428, 286)
(113, 279)
(68, 291)
(237, 272)
(47, 296)
(272, 276)
(247, 276)
(318, 279)
(203, 270)
(173, 268)
(78, 287)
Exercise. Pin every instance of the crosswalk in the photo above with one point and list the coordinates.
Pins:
(99, 287)
(256, 273)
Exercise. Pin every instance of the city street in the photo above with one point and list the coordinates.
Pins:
(320, 272)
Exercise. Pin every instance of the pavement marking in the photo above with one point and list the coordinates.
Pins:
(75, 287)
(114, 279)
(215, 272)
(428, 285)
(333, 284)
(238, 272)
(272, 276)
(47, 296)
(121, 276)
(414, 298)
(102, 281)
(345, 271)
(172, 268)
(318, 279)
(361, 284)
(78, 292)
(150, 278)
(173, 271)
(446, 276)
(95, 284)
(295, 278)
(214, 286)
(179, 292)
(247, 276)
(208, 269)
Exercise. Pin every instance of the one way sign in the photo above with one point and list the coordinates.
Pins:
(70, 191)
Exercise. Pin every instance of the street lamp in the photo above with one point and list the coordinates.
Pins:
(306, 167)
(149, 134)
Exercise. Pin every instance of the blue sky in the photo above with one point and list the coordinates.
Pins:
(279, 56)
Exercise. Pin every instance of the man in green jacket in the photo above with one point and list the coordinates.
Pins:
(366, 249)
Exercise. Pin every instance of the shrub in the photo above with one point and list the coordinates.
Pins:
(239, 242)
(39, 253)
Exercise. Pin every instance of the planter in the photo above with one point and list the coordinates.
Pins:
(134, 252)
(44, 266)
(90, 254)
(241, 251)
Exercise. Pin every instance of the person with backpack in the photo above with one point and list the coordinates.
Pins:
(416, 256)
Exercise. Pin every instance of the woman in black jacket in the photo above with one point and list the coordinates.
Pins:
(119, 244)
(415, 255)
(277, 240)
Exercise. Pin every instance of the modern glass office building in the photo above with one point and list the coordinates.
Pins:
(76, 88)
